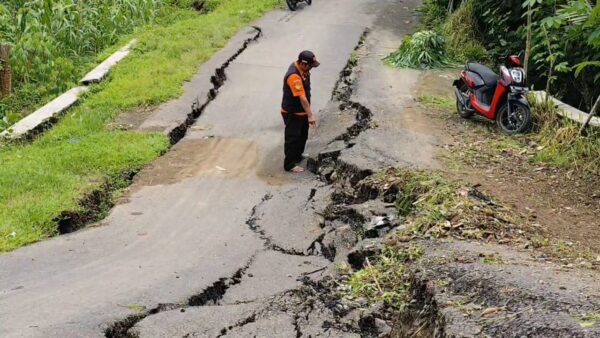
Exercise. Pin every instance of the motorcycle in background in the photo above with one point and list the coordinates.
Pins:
(293, 4)
(501, 98)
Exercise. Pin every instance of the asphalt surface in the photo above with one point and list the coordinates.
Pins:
(186, 223)
(214, 240)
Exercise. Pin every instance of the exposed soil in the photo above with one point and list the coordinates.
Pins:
(132, 119)
(562, 203)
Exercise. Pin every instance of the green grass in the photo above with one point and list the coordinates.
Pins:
(588, 319)
(437, 101)
(40, 180)
(491, 259)
(560, 144)
(386, 278)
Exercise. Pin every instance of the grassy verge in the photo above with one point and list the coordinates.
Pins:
(557, 139)
(444, 39)
(42, 179)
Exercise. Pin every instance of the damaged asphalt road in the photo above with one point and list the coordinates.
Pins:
(213, 223)
(214, 240)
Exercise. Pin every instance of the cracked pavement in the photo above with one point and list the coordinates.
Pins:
(195, 248)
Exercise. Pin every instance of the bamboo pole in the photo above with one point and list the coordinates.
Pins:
(592, 113)
(5, 71)
(528, 42)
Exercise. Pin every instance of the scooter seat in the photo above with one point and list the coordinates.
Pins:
(489, 77)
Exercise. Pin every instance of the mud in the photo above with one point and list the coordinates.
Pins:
(212, 157)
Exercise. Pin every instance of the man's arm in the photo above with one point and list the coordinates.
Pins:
(306, 105)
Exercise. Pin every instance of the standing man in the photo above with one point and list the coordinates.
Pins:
(296, 110)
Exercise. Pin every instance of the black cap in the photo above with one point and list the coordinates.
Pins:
(308, 57)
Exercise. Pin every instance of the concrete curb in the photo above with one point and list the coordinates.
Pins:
(45, 114)
(567, 111)
(48, 114)
(100, 72)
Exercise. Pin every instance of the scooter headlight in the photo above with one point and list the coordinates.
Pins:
(517, 75)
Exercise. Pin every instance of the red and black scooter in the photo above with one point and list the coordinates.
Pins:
(501, 98)
(293, 4)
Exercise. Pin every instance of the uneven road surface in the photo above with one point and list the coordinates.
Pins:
(215, 221)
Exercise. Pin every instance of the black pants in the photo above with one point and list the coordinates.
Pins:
(296, 134)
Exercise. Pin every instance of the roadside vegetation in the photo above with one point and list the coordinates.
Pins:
(433, 208)
(563, 35)
(44, 178)
(54, 43)
(558, 142)
(564, 60)
(561, 144)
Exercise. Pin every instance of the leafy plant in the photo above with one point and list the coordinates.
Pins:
(433, 14)
(423, 50)
(564, 37)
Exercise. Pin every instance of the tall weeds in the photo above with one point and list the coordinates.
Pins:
(560, 142)
(462, 40)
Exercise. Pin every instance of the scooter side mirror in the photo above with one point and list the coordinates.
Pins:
(515, 60)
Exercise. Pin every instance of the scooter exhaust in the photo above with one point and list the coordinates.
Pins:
(459, 96)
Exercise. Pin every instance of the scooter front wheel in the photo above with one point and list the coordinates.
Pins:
(517, 121)
(309, 2)
(292, 4)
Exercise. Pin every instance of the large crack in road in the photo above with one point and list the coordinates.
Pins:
(218, 80)
(310, 291)
(96, 202)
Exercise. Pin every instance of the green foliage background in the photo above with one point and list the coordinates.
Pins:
(565, 37)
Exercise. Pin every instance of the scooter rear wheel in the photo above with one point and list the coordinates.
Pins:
(518, 121)
(464, 112)
(292, 4)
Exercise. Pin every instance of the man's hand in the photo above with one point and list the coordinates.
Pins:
(312, 120)
(311, 116)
